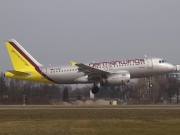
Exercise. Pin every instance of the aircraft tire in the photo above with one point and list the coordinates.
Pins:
(95, 90)
(150, 85)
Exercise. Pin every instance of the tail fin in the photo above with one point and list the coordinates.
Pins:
(20, 58)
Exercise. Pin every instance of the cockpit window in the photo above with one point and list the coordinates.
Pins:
(162, 61)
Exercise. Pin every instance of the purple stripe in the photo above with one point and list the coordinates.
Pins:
(30, 61)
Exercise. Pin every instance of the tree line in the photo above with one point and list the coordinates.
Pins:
(12, 91)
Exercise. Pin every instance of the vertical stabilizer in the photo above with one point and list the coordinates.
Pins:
(20, 58)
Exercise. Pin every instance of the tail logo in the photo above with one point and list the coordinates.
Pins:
(19, 57)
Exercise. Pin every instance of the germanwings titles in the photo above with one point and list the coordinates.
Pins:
(132, 61)
(112, 73)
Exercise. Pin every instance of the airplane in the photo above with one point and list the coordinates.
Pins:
(108, 73)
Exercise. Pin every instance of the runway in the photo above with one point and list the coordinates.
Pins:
(73, 107)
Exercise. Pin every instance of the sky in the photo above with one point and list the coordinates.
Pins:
(57, 31)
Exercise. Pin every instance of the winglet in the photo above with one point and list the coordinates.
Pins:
(73, 63)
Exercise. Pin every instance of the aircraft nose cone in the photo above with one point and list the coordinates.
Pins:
(170, 67)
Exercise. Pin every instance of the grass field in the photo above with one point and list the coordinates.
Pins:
(49, 121)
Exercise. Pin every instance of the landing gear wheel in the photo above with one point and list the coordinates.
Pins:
(150, 85)
(95, 90)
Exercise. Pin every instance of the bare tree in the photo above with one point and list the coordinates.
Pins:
(141, 89)
(66, 95)
(164, 86)
(173, 90)
(3, 87)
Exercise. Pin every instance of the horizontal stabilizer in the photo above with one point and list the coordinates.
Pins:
(20, 73)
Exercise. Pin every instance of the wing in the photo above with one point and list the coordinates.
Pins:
(93, 73)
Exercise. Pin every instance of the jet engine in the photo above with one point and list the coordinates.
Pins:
(115, 79)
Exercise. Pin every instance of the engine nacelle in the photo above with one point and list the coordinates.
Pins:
(116, 79)
(83, 79)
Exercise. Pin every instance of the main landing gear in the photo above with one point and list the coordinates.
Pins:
(149, 81)
(95, 89)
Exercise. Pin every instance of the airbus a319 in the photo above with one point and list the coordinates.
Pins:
(108, 73)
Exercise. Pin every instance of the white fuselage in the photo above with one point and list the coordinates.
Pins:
(136, 67)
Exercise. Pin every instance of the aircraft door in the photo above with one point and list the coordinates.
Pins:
(149, 63)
